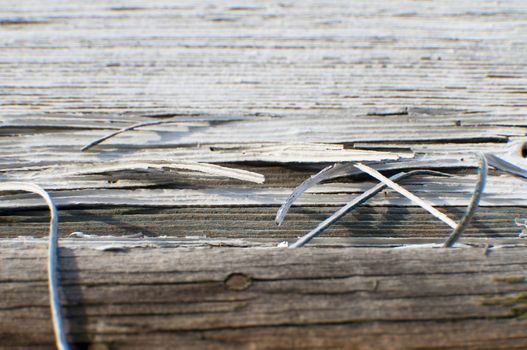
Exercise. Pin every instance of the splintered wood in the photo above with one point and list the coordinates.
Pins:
(216, 112)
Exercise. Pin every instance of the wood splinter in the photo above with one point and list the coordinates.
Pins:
(53, 279)
(152, 123)
(458, 228)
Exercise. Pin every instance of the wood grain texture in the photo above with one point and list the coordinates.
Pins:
(364, 72)
(182, 253)
(267, 86)
(251, 222)
(199, 298)
(108, 59)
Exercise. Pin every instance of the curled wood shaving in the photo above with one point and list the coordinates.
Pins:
(357, 201)
(473, 205)
(53, 280)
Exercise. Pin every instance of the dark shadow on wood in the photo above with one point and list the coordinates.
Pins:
(74, 306)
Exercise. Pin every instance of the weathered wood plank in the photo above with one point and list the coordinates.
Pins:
(258, 222)
(500, 191)
(426, 88)
(269, 57)
(279, 89)
(270, 298)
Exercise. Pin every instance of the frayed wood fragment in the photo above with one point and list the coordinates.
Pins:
(422, 203)
(53, 279)
(357, 201)
(522, 223)
(512, 160)
(473, 205)
(332, 171)
(431, 245)
(151, 123)
(205, 168)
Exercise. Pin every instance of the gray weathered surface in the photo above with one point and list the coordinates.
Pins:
(270, 298)
(273, 88)
(276, 88)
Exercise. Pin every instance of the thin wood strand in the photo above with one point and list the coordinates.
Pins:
(473, 205)
(151, 123)
(374, 173)
(53, 280)
(357, 201)
(325, 174)
(504, 165)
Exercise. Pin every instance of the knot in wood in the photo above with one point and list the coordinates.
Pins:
(237, 281)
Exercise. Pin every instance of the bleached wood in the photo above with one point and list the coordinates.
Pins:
(502, 190)
(281, 89)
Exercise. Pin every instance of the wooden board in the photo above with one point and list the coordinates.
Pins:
(118, 297)
(267, 93)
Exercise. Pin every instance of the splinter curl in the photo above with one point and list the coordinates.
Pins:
(53, 280)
